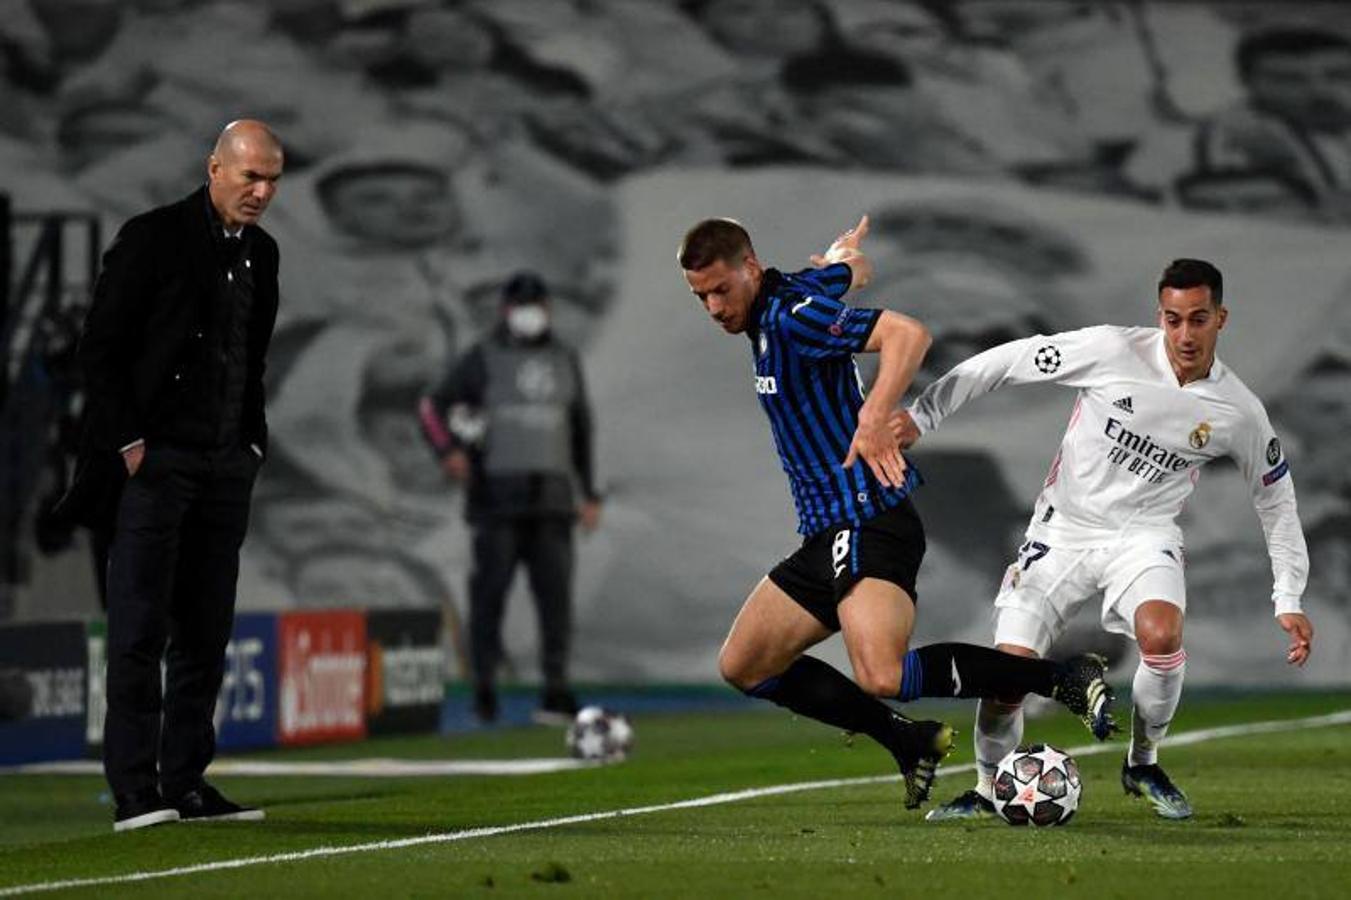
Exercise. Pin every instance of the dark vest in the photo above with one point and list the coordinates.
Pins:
(525, 466)
(529, 392)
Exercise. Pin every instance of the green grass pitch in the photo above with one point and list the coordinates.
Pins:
(1273, 820)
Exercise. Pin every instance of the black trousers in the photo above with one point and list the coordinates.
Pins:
(172, 570)
(545, 546)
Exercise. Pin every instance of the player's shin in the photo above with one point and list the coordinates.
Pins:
(1155, 694)
(811, 688)
(965, 670)
(999, 728)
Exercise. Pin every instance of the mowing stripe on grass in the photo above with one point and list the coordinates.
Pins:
(1190, 737)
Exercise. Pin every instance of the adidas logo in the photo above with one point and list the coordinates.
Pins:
(1124, 404)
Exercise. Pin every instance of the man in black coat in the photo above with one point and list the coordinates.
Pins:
(173, 352)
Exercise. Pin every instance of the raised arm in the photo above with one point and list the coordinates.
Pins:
(1067, 358)
(846, 250)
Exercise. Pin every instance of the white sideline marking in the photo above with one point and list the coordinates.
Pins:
(1190, 737)
(363, 768)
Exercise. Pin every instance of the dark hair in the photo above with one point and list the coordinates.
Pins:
(1283, 42)
(524, 287)
(712, 240)
(329, 184)
(1190, 273)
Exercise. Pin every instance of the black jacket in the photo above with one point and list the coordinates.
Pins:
(142, 352)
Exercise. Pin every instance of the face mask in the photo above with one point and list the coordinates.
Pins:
(527, 322)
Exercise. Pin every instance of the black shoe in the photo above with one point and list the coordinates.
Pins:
(1153, 783)
(557, 706)
(206, 804)
(970, 805)
(918, 748)
(1083, 688)
(142, 809)
(485, 704)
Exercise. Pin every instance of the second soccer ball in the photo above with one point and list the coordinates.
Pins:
(597, 734)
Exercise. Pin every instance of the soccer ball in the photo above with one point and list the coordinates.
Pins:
(597, 734)
(1037, 785)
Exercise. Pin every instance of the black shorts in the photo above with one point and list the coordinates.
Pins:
(889, 546)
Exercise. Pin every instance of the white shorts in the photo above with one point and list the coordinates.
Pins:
(1046, 586)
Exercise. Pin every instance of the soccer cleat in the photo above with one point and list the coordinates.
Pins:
(557, 706)
(1085, 692)
(970, 805)
(1152, 783)
(919, 748)
(485, 704)
(141, 810)
(206, 804)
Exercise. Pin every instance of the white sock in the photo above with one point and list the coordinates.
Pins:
(1155, 693)
(999, 728)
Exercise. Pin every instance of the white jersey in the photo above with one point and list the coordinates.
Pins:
(1136, 441)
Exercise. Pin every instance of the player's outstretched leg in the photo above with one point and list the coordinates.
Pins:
(812, 688)
(965, 670)
(999, 729)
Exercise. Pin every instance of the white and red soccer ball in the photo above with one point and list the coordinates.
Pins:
(599, 735)
(1037, 785)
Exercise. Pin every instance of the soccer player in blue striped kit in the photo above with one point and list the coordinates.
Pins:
(862, 539)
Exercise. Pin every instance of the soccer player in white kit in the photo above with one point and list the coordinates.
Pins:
(1154, 405)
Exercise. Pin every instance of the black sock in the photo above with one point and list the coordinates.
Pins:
(818, 691)
(965, 670)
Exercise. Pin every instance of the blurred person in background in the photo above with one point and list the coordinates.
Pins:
(868, 110)
(1296, 120)
(511, 419)
(1262, 192)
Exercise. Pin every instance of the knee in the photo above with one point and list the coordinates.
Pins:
(736, 670)
(1159, 636)
(879, 680)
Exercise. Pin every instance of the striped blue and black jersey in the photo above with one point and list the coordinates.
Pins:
(803, 337)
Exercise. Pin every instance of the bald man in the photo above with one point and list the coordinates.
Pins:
(173, 352)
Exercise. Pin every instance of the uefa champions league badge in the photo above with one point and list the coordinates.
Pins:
(1047, 359)
(837, 327)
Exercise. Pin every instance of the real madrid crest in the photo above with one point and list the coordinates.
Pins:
(1200, 436)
